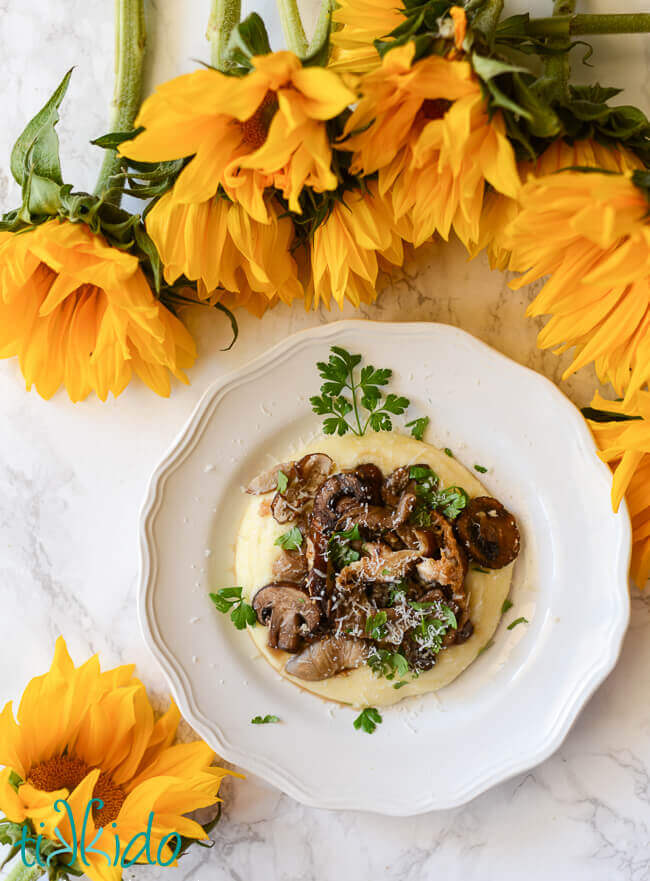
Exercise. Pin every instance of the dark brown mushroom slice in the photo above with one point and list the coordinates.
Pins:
(448, 567)
(418, 538)
(488, 532)
(334, 490)
(267, 482)
(288, 612)
(376, 520)
(327, 657)
(372, 478)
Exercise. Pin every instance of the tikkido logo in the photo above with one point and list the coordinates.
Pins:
(79, 848)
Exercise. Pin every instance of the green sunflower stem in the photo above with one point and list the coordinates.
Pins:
(18, 871)
(224, 18)
(322, 28)
(294, 32)
(558, 67)
(130, 42)
(576, 25)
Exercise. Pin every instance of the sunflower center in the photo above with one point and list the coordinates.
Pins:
(434, 108)
(255, 129)
(67, 772)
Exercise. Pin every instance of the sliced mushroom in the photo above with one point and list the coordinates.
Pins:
(376, 520)
(327, 657)
(290, 566)
(422, 540)
(268, 481)
(306, 477)
(335, 489)
(372, 478)
(288, 612)
(381, 565)
(488, 532)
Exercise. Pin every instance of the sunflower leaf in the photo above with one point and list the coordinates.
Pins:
(40, 142)
(249, 38)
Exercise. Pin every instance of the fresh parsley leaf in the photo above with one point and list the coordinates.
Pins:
(448, 617)
(449, 453)
(264, 720)
(397, 594)
(376, 625)
(451, 501)
(291, 540)
(480, 468)
(367, 720)
(283, 482)
(507, 604)
(400, 684)
(242, 615)
(339, 547)
(423, 474)
(521, 620)
(418, 427)
(343, 392)
(229, 600)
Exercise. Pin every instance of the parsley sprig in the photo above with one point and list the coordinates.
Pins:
(387, 664)
(376, 625)
(365, 391)
(367, 720)
(229, 600)
(291, 540)
(264, 720)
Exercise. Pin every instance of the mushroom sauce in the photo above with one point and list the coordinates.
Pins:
(376, 568)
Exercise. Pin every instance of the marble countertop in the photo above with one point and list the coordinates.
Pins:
(72, 479)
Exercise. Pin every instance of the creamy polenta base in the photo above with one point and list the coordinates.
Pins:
(256, 553)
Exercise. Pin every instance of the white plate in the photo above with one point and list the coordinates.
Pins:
(515, 704)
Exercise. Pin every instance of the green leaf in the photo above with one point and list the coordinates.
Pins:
(418, 427)
(449, 453)
(376, 625)
(448, 617)
(488, 645)
(283, 482)
(481, 469)
(264, 720)
(507, 604)
(487, 68)
(339, 547)
(400, 684)
(37, 148)
(372, 376)
(517, 621)
(112, 140)
(225, 598)
(242, 615)
(291, 540)
(145, 243)
(367, 720)
(396, 404)
(249, 38)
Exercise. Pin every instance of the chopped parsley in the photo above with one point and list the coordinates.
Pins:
(367, 720)
(291, 540)
(339, 547)
(365, 391)
(418, 427)
(229, 600)
(488, 645)
(399, 684)
(480, 468)
(449, 501)
(507, 604)
(397, 594)
(521, 620)
(264, 720)
(283, 482)
(387, 664)
(376, 625)
(449, 453)
(478, 569)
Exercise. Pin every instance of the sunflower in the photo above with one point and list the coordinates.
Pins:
(625, 445)
(235, 259)
(356, 25)
(244, 134)
(424, 127)
(80, 313)
(591, 233)
(83, 734)
(499, 210)
(358, 238)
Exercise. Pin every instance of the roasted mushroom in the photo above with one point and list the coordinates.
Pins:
(267, 482)
(308, 474)
(375, 519)
(288, 612)
(380, 565)
(327, 657)
(397, 483)
(290, 566)
(488, 532)
(335, 489)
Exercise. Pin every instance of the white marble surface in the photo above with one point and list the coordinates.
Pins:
(72, 477)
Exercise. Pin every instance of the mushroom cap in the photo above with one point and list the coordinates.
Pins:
(488, 532)
(327, 657)
(288, 612)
